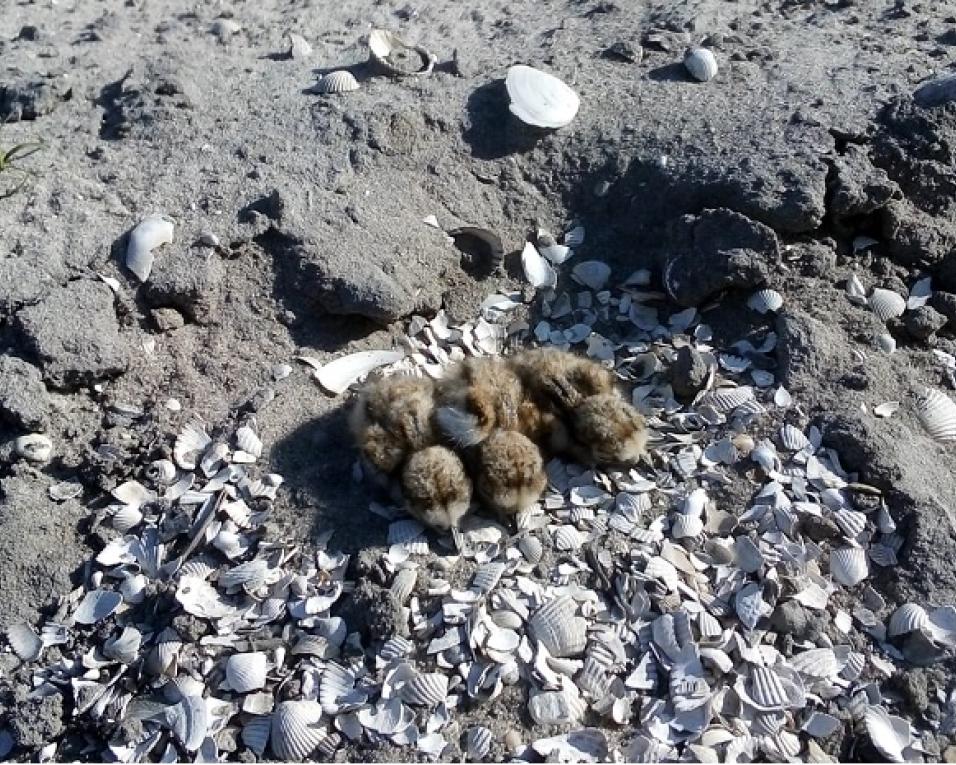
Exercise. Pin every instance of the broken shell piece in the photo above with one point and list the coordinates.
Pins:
(886, 304)
(478, 741)
(817, 662)
(246, 672)
(296, 729)
(190, 444)
(26, 644)
(540, 99)
(848, 565)
(886, 343)
(152, 232)
(248, 441)
(341, 81)
(890, 735)
(592, 273)
(765, 301)
(336, 376)
(394, 56)
(548, 246)
(125, 646)
(427, 689)
(34, 447)
(162, 472)
(537, 270)
(96, 606)
(909, 617)
(557, 628)
(793, 439)
(700, 63)
(937, 412)
(562, 707)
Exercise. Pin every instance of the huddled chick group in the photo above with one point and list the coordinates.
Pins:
(487, 426)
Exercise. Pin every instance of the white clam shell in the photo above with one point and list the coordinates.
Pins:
(162, 472)
(336, 376)
(426, 689)
(163, 658)
(592, 273)
(133, 493)
(725, 400)
(765, 301)
(248, 441)
(246, 671)
(296, 729)
(561, 632)
(487, 576)
(126, 518)
(886, 343)
(793, 439)
(685, 526)
(851, 522)
(189, 720)
(537, 270)
(574, 237)
(125, 646)
(152, 232)
(531, 548)
(768, 690)
(567, 538)
(889, 734)
(34, 447)
(396, 57)
(747, 555)
(96, 606)
(341, 81)
(942, 625)
(886, 304)
(564, 707)
(190, 444)
(540, 99)
(817, 662)
(700, 63)
(937, 412)
(26, 644)
(910, 617)
(403, 584)
(848, 565)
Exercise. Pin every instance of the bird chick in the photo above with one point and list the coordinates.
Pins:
(479, 396)
(393, 418)
(561, 380)
(509, 472)
(606, 430)
(436, 488)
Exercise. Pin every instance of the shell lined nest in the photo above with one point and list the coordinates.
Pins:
(632, 608)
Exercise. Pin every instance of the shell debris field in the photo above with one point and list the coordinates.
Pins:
(634, 608)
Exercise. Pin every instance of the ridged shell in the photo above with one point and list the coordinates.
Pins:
(708, 626)
(478, 741)
(561, 632)
(403, 584)
(152, 232)
(402, 532)
(592, 273)
(248, 441)
(568, 538)
(686, 526)
(162, 472)
(886, 304)
(767, 689)
(768, 723)
(189, 721)
(937, 412)
(531, 548)
(337, 682)
(125, 518)
(396, 648)
(855, 664)
(556, 708)
(909, 617)
(890, 735)
(246, 671)
(817, 662)
(487, 576)
(96, 606)
(296, 729)
(163, 657)
(793, 439)
(396, 57)
(765, 301)
(426, 689)
(341, 81)
(848, 565)
(125, 646)
(725, 400)
(190, 444)
(255, 734)
(540, 99)
(25, 643)
(851, 522)
(700, 63)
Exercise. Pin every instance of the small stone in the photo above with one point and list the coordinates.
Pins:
(23, 398)
(34, 447)
(791, 618)
(512, 740)
(688, 373)
(945, 303)
(819, 528)
(167, 319)
(949, 754)
(922, 323)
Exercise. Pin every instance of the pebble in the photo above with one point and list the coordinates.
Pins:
(688, 373)
(34, 447)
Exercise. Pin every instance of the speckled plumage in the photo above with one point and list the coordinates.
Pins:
(509, 472)
(436, 487)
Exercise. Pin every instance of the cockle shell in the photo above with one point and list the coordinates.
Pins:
(817, 662)
(793, 439)
(558, 629)
(161, 472)
(152, 232)
(426, 689)
(478, 741)
(393, 55)
(564, 707)
(768, 690)
(700, 63)
(540, 99)
(889, 734)
(189, 720)
(686, 526)
(125, 646)
(531, 548)
(248, 441)
(96, 606)
(26, 644)
(190, 444)
(34, 447)
(725, 400)
(848, 565)
(296, 729)
(487, 576)
(910, 617)
(765, 301)
(336, 376)
(537, 270)
(886, 304)
(851, 522)
(340, 81)
(246, 671)
(937, 412)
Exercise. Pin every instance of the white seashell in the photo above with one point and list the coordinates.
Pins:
(887, 409)
(725, 400)
(64, 490)
(886, 304)
(747, 555)
(487, 576)
(793, 439)
(396, 648)
(764, 301)
(886, 343)
(427, 689)
(686, 526)
(531, 548)
(768, 723)
(133, 493)
(540, 99)
(189, 720)
(920, 293)
(26, 644)
(296, 729)
(163, 658)
(255, 734)
(152, 232)
(567, 538)
(537, 270)
(132, 589)
(126, 518)
(592, 273)
(890, 735)
(248, 441)
(478, 741)
(125, 646)
(851, 522)
(749, 605)
(341, 81)
(246, 672)
(574, 237)
(848, 565)
(555, 626)
(708, 626)
(190, 445)
(34, 447)
(396, 57)
(96, 606)
(700, 63)
(937, 412)
(403, 584)
(817, 662)
(767, 689)
(909, 617)
(855, 290)
(336, 376)
(162, 472)
(564, 707)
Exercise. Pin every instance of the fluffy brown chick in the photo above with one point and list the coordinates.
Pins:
(509, 472)
(436, 488)
(392, 418)
(560, 380)
(606, 430)
(479, 396)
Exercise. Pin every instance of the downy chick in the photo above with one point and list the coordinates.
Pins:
(606, 430)
(392, 418)
(436, 487)
(479, 396)
(559, 380)
(509, 472)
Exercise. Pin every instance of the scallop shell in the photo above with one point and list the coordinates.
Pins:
(296, 729)
(340, 81)
(793, 439)
(403, 584)
(336, 686)
(248, 441)
(568, 538)
(426, 689)
(768, 723)
(937, 412)
(163, 658)
(396, 648)
(592, 273)
(96, 606)
(34, 447)
(389, 52)
(26, 644)
(565, 707)
(125, 646)
(817, 662)
(765, 301)
(886, 304)
(540, 99)
(531, 548)
(725, 400)
(848, 565)
(478, 741)
(336, 376)
(561, 632)
(851, 522)
(246, 672)
(909, 617)
(700, 63)
(767, 689)
(890, 735)
(708, 626)
(152, 232)
(537, 270)
(190, 445)
(685, 526)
